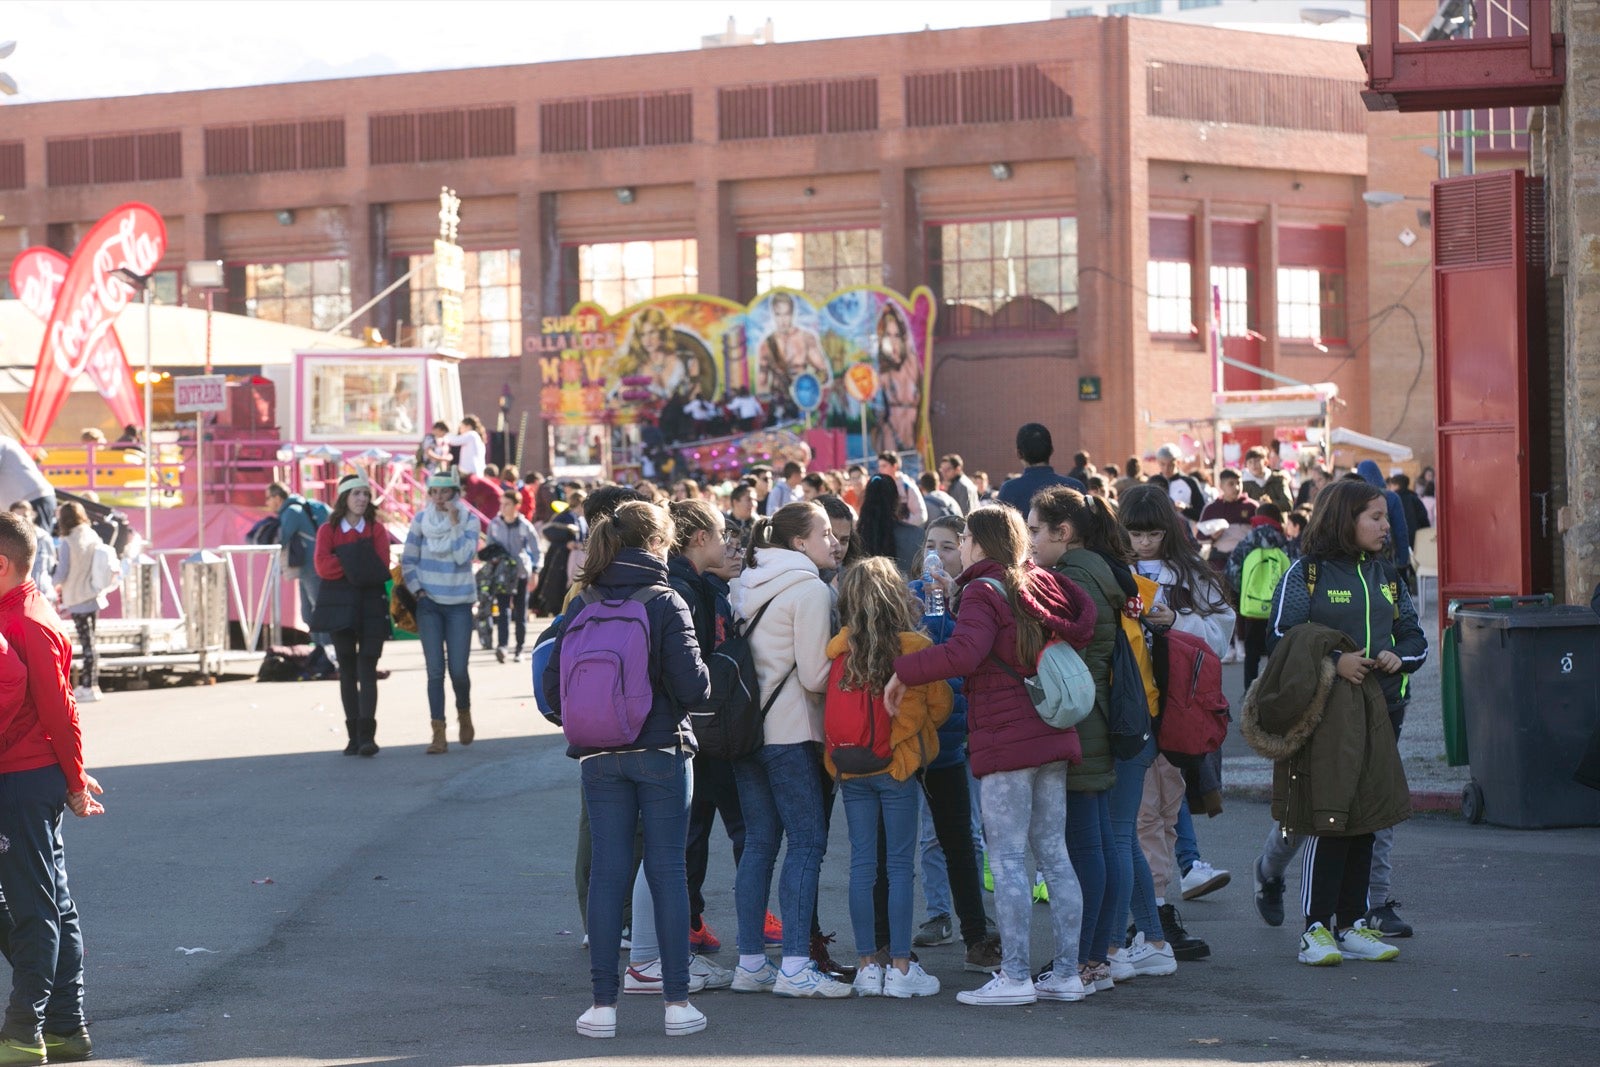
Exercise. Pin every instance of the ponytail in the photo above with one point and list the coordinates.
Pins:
(633, 525)
(792, 521)
(1093, 520)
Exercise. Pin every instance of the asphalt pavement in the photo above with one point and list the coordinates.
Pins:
(253, 897)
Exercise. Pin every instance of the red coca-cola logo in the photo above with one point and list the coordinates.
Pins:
(131, 237)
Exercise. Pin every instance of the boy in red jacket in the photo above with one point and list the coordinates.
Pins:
(41, 774)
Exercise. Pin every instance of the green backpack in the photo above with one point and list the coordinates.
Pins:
(1263, 568)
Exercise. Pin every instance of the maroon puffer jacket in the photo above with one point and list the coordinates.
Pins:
(1005, 732)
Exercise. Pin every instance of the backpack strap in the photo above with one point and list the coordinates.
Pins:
(773, 699)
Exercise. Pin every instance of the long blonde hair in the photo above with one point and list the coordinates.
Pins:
(875, 606)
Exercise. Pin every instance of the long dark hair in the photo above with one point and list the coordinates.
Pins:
(1093, 520)
(838, 509)
(781, 529)
(632, 525)
(880, 514)
(1148, 507)
(1000, 532)
(341, 507)
(1331, 533)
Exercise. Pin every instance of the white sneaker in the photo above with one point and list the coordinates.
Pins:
(645, 980)
(1202, 879)
(1361, 942)
(810, 982)
(684, 1019)
(598, 1022)
(1121, 969)
(762, 981)
(869, 981)
(715, 977)
(916, 982)
(1000, 992)
(1149, 960)
(1053, 986)
(585, 942)
(86, 694)
(1318, 947)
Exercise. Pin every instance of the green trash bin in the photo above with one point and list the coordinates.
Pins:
(1455, 723)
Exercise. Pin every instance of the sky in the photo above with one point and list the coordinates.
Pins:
(77, 49)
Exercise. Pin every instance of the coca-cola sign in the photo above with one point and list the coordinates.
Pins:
(36, 277)
(86, 306)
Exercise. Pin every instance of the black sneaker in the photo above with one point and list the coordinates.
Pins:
(1269, 897)
(825, 962)
(1184, 947)
(1387, 921)
(983, 957)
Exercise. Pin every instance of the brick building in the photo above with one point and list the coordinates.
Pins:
(1069, 189)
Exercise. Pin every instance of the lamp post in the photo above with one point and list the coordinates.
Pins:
(141, 284)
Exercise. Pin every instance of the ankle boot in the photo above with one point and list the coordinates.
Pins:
(464, 725)
(355, 739)
(369, 735)
(439, 744)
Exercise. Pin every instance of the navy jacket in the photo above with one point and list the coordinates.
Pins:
(677, 673)
(1363, 599)
(1399, 532)
(691, 585)
(1018, 492)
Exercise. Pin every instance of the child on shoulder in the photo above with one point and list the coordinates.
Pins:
(878, 757)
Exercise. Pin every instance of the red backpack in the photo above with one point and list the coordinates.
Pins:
(1194, 713)
(855, 725)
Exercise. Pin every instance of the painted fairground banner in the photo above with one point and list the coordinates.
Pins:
(688, 365)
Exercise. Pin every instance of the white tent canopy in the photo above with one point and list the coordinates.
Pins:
(1344, 436)
(178, 341)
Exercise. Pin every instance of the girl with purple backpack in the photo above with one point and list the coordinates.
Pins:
(647, 777)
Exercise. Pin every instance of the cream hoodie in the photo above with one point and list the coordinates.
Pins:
(795, 631)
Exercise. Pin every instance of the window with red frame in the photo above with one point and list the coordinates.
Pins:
(620, 274)
(312, 293)
(1311, 284)
(1004, 276)
(816, 263)
(491, 308)
(1169, 276)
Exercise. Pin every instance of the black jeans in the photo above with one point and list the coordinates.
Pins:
(514, 605)
(88, 663)
(358, 681)
(1255, 647)
(715, 791)
(950, 804)
(39, 933)
(1335, 880)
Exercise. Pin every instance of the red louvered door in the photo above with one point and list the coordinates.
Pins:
(1495, 537)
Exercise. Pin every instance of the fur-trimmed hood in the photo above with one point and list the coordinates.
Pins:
(1285, 706)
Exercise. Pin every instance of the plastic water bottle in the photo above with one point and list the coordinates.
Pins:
(932, 571)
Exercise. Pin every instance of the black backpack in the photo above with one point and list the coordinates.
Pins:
(730, 724)
(1128, 711)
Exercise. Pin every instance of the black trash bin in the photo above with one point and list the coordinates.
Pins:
(1530, 693)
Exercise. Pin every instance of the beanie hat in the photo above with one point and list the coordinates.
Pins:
(445, 479)
(1169, 451)
(352, 482)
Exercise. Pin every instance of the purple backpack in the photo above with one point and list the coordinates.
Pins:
(605, 670)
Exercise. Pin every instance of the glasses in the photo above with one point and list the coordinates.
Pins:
(965, 537)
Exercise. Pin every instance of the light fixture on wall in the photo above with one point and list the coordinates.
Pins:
(626, 194)
(1001, 171)
(285, 217)
(1186, 177)
(808, 192)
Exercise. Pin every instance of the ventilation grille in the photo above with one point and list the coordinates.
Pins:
(1251, 98)
(266, 147)
(444, 134)
(627, 121)
(1475, 221)
(13, 170)
(797, 109)
(121, 157)
(978, 95)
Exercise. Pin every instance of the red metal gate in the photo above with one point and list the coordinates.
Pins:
(1491, 383)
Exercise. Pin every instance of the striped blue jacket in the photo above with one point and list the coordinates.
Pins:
(447, 578)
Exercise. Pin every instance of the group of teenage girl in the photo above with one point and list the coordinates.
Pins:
(836, 623)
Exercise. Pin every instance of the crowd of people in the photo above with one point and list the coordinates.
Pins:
(894, 627)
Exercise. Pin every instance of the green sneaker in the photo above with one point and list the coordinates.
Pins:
(1041, 892)
(988, 875)
(13, 1051)
(1318, 947)
(69, 1048)
(1361, 942)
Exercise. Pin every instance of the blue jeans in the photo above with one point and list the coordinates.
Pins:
(310, 588)
(1092, 847)
(446, 633)
(621, 789)
(1134, 884)
(1188, 849)
(39, 933)
(780, 793)
(866, 800)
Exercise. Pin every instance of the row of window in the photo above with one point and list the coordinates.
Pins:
(1001, 276)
